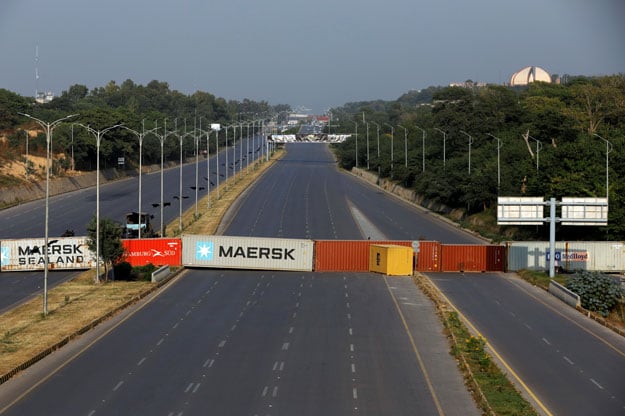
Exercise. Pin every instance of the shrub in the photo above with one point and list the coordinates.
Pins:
(598, 292)
(122, 271)
(143, 272)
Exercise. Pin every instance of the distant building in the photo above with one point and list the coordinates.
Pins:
(44, 97)
(529, 74)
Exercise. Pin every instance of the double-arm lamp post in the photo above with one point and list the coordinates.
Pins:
(99, 134)
(48, 128)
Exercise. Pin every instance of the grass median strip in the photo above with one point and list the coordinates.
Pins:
(491, 389)
(25, 334)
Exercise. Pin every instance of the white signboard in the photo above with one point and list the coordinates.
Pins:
(520, 210)
(584, 211)
(63, 253)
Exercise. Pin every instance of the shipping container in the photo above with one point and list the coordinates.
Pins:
(346, 255)
(472, 258)
(606, 256)
(247, 252)
(64, 253)
(391, 260)
(428, 256)
(156, 251)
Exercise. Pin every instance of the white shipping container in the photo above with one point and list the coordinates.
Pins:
(247, 252)
(64, 253)
(606, 256)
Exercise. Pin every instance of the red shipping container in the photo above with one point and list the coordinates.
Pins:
(471, 258)
(346, 255)
(158, 251)
(429, 256)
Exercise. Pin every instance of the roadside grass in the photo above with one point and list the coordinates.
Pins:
(79, 304)
(539, 278)
(490, 387)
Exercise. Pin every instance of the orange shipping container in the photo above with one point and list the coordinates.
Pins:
(429, 256)
(346, 255)
(472, 258)
(158, 251)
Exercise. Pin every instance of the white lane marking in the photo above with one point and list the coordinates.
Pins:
(527, 326)
(351, 332)
(175, 325)
(546, 341)
(222, 343)
(188, 312)
(285, 346)
(349, 316)
(346, 295)
(233, 327)
(354, 393)
(347, 304)
(189, 387)
(281, 366)
(197, 386)
(118, 385)
(513, 314)
(596, 384)
(291, 330)
(241, 314)
(141, 361)
(294, 314)
(208, 363)
(353, 368)
(568, 360)
(264, 393)
(160, 341)
(91, 413)
(297, 305)
(275, 391)
(351, 347)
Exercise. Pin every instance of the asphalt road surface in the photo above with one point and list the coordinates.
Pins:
(75, 209)
(266, 343)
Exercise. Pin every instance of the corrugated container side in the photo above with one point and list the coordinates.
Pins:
(608, 256)
(347, 255)
(391, 260)
(429, 256)
(472, 258)
(247, 252)
(156, 251)
(66, 253)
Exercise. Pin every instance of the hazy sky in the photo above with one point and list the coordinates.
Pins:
(317, 54)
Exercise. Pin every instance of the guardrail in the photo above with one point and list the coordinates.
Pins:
(565, 295)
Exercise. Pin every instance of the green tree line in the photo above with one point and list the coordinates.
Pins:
(139, 107)
(544, 140)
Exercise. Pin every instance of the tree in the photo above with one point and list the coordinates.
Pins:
(111, 248)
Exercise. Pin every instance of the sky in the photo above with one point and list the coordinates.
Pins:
(317, 55)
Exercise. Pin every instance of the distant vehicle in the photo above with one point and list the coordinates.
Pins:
(134, 221)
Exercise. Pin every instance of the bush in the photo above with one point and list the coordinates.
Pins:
(122, 271)
(598, 292)
(143, 272)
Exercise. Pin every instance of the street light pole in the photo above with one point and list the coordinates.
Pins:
(470, 143)
(99, 134)
(444, 148)
(422, 147)
(608, 149)
(48, 128)
(140, 136)
(356, 127)
(499, 144)
(539, 146)
(405, 145)
(392, 147)
(378, 133)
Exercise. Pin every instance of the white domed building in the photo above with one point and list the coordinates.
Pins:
(529, 74)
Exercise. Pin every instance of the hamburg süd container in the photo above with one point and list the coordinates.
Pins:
(156, 251)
